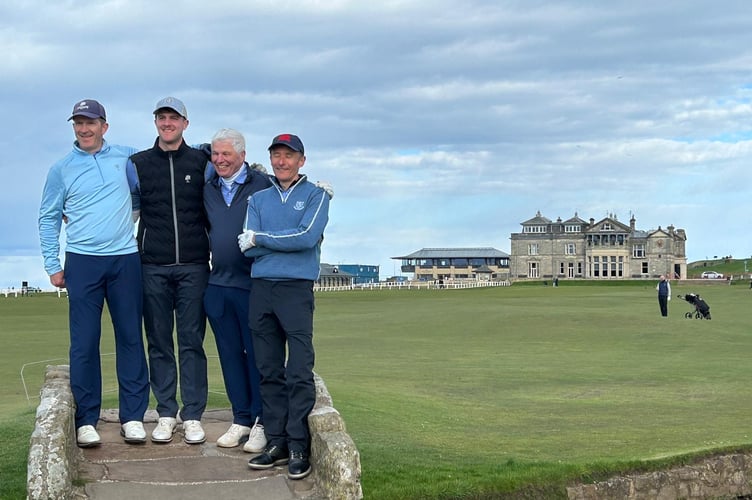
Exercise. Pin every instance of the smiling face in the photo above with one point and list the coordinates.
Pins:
(225, 159)
(89, 133)
(286, 164)
(170, 126)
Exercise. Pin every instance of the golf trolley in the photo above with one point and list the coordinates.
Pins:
(701, 308)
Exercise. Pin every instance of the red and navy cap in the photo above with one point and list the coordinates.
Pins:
(291, 141)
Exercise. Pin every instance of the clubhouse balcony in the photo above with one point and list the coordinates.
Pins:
(482, 263)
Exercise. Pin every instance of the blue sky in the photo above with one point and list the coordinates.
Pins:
(440, 124)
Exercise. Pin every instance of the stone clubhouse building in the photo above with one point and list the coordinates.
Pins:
(570, 249)
(606, 249)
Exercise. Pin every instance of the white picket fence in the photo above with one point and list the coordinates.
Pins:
(16, 292)
(412, 285)
(404, 285)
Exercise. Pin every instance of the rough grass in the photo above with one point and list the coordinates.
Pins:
(485, 393)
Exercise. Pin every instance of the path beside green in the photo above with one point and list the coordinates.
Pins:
(477, 393)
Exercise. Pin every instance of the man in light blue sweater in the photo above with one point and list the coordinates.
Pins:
(89, 189)
(283, 231)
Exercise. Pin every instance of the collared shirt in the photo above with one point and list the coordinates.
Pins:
(230, 186)
(284, 193)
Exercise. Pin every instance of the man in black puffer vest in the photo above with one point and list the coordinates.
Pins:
(174, 248)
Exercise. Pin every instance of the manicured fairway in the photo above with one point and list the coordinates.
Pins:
(478, 393)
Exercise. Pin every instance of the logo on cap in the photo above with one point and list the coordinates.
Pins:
(88, 108)
(290, 140)
(174, 104)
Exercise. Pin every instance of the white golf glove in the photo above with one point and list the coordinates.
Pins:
(326, 187)
(245, 240)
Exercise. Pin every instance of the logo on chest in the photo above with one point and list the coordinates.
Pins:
(299, 205)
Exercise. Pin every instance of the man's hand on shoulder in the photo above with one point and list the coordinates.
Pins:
(326, 187)
(258, 167)
(204, 148)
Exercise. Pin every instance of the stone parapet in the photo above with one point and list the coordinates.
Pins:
(52, 449)
(53, 453)
(334, 457)
(723, 476)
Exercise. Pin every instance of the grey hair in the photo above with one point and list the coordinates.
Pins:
(232, 135)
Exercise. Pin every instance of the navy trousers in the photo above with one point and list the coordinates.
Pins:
(227, 310)
(663, 304)
(281, 316)
(174, 297)
(90, 281)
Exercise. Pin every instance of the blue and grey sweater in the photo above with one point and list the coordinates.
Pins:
(289, 227)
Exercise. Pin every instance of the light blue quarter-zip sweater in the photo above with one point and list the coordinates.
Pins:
(92, 191)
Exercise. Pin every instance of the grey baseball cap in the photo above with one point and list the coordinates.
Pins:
(174, 104)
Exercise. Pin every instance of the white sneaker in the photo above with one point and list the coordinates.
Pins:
(194, 433)
(164, 430)
(87, 436)
(133, 432)
(256, 439)
(235, 435)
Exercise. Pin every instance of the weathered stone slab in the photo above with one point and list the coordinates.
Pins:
(175, 470)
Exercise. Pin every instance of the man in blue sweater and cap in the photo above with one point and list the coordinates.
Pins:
(283, 231)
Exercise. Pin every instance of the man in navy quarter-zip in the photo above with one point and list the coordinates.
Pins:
(174, 248)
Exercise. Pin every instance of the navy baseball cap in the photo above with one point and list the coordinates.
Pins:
(174, 104)
(291, 141)
(88, 108)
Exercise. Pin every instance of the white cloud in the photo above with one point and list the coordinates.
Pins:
(440, 125)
